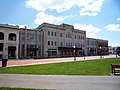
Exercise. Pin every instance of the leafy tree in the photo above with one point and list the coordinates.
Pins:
(118, 51)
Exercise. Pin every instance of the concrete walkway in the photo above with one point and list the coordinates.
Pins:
(19, 62)
(61, 82)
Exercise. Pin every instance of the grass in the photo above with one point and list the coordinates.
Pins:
(88, 67)
(9, 88)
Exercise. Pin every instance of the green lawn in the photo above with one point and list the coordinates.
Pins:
(87, 67)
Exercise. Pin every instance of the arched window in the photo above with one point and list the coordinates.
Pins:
(1, 36)
(12, 37)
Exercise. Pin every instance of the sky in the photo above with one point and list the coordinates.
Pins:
(99, 18)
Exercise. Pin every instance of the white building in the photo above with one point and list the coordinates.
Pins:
(9, 40)
(59, 40)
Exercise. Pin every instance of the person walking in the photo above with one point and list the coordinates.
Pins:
(4, 60)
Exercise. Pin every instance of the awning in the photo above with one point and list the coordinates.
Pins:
(69, 48)
(32, 49)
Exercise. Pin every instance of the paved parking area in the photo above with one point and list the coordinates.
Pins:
(21, 62)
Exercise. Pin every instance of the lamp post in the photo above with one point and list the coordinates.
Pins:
(100, 52)
(74, 53)
(116, 52)
(89, 52)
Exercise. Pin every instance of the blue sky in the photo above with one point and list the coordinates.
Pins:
(99, 18)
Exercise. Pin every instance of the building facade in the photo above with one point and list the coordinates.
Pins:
(48, 40)
(102, 47)
(9, 40)
(62, 40)
(112, 50)
(91, 46)
(29, 43)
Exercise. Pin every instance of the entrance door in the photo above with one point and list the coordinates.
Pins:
(11, 51)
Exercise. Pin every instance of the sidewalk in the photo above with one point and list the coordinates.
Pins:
(19, 62)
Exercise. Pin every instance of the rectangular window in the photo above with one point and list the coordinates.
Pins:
(23, 36)
(48, 33)
(28, 36)
(48, 42)
(61, 44)
(83, 38)
(75, 36)
(51, 33)
(1, 46)
(55, 43)
(54, 33)
(52, 43)
(60, 34)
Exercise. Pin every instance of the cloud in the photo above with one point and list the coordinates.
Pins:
(113, 27)
(91, 30)
(89, 7)
(20, 26)
(23, 26)
(118, 19)
(114, 44)
(58, 5)
(41, 17)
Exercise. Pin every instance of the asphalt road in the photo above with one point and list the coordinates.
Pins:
(60, 82)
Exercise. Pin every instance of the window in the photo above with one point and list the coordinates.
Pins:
(1, 46)
(12, 37)
(52, 43)
(75, 36)
(83, 38)
(23, 36)
(31, 46)
(1, 36)
(28, 36)
(23, 46)
(55, 43)
(54, 33)
(48, 42)
(51, 33)
(61, 44)
(66, 44)
(48, 33)
(60, 34)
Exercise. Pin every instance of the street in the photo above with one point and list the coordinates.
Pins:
(59, 82)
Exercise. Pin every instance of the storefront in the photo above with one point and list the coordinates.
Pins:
(70, 51)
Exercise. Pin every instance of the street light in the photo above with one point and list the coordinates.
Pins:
(116, 52)
(74, 53)
(100, 52)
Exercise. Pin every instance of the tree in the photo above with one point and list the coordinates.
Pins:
(118, 51)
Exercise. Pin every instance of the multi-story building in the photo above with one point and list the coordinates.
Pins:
(91, 46)
(102, 47)
(29, 43)
(62, 40)
(9, 40)
(48, 40)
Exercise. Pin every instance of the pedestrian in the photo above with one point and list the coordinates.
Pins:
(4, 60)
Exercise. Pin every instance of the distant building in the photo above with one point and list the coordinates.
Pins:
(9, 40)
(112, 50)
(91, 46)
(102, 47)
